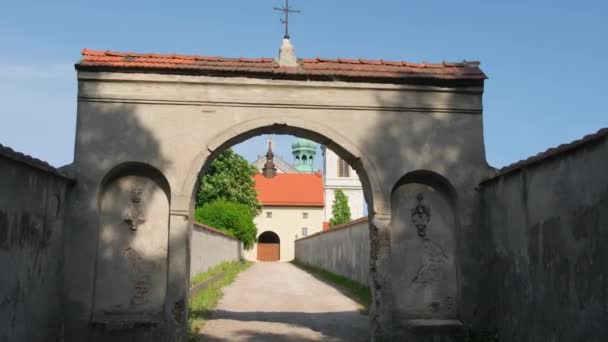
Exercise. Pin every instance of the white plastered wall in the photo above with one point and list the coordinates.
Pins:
(287, 223)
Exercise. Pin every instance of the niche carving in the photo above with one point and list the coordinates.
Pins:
(134, 216)
(423, 252)
(421, 215)
(131, 273)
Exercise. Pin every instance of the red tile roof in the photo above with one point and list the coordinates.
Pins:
(290, 190)
(551, 153)
(314, 68)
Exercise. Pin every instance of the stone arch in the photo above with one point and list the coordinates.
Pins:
(376, 194)
(377, 200)
(424, 230)
(132, 245)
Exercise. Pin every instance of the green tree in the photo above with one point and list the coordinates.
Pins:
(230, 177)
(233, 218)
(340, 211)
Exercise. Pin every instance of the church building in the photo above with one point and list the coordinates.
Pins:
(292, 206)
(337, 174)
(297, 199)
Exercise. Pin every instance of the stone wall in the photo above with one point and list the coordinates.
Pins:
(32, 202)
(210, 247)
(547, 229)
(343, 250)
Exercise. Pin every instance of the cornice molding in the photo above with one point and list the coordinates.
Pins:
(279, 105)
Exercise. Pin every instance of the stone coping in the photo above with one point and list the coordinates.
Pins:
(338, 227)
(551, 153)
(213, 230)
(30, 161)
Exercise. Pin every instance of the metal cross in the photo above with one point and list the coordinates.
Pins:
(285, 21)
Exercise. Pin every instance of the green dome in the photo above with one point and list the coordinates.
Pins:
(304, 152)
(304, 144)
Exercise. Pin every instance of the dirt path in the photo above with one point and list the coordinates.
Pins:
(280, 302)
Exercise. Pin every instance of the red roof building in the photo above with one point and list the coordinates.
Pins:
(290, 190)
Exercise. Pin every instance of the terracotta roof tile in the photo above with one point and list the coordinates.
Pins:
(317, 68)
(550, 153)
(290, 189)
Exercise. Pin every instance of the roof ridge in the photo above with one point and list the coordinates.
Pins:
(339, 60)
(323, 69)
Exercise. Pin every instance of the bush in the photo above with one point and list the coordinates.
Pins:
(233, 218)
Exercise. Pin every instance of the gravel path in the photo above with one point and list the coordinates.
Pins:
(280, 302)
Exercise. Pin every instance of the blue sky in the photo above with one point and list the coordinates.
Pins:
(547, 60)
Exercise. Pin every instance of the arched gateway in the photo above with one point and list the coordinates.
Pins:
(269, 247)
(413, 133)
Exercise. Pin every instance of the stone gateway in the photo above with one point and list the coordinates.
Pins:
(149, 124)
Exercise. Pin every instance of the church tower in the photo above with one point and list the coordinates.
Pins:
(269, 170)
(304, 152)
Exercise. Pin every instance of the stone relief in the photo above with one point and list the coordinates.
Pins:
(427, 280)
(141, 285)
(134, 215)
(433, 262)
(421, 215)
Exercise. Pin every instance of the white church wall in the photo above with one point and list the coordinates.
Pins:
(287, 223)
(350, 185)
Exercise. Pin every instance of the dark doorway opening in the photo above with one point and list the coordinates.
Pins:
(269, 247)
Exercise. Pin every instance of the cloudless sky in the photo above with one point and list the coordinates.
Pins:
(547, 60)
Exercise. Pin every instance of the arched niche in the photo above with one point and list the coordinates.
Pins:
(423, 247)
(132, 250)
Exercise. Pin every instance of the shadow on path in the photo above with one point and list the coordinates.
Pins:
(338, 325)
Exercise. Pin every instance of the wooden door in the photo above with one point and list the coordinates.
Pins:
(269, 251)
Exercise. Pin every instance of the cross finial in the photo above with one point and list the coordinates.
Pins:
(286, 9)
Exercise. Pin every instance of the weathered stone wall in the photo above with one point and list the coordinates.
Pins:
(343, 250)
(211, 247)
(32, 202)
(547, 230)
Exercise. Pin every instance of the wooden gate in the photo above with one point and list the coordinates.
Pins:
(269, 247)
(269, 251)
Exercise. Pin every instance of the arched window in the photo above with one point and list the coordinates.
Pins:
(343, 168)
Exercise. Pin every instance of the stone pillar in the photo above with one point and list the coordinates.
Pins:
(380, 284)
(179, 271)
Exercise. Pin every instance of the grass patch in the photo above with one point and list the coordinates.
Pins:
(352, 289)
(201, 277)
(202, 304)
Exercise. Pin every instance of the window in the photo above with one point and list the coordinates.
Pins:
(343, 168)
(304, 215)
(304, 231)
(269, 214)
